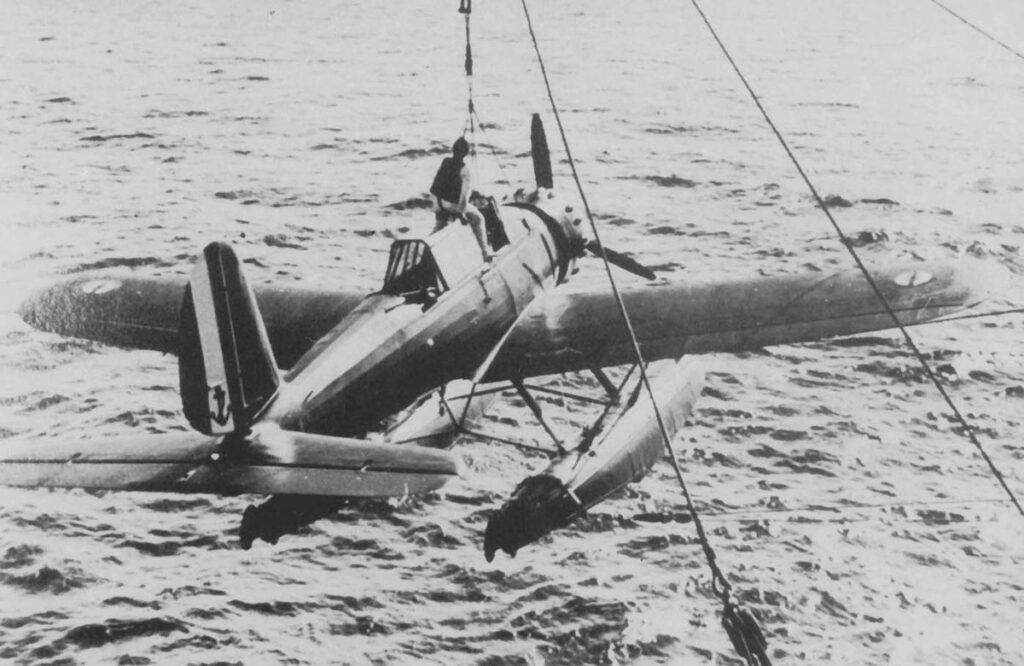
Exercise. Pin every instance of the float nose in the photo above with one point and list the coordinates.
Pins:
(539, 505)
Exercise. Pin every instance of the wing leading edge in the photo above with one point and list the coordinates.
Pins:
(575, 331)
(143, 312)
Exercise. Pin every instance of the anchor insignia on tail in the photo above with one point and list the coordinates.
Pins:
(223, 413)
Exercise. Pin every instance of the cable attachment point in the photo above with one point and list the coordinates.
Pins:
(747, 638)
(740, 624)
(466, 8)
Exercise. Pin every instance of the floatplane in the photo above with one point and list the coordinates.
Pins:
(314, 397)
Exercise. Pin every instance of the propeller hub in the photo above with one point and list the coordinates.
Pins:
(572, 225)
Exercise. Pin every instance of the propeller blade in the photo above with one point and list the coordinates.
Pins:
(540, 153)
(622, 261)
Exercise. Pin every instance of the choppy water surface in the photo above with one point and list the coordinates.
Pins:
(841, 500)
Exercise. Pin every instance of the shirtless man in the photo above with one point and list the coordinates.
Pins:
(450, 191)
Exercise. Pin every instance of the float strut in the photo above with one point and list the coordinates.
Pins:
(606, 383)
(535, 408)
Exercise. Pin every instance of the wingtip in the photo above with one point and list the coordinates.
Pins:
(59, 308)
(986, 280)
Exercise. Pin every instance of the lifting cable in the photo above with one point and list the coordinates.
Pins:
(472, 117)
(743, 630)
(968, 429)
(466, 9)
(978, 29)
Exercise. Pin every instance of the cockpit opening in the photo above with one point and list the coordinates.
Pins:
(422, 269)
(495, 228)
(413, 273)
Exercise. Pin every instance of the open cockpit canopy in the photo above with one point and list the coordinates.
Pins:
(428, 267)
(411, 269)
(431, 266)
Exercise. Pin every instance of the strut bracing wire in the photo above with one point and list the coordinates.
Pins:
(979, 30)
(741, 626)
(490, 146)
(978, 315)
(968, 429)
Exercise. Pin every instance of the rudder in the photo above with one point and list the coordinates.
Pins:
(226, 367)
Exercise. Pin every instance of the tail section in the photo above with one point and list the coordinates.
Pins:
(225, 364)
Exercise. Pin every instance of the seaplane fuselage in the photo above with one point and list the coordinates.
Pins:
(420, 332)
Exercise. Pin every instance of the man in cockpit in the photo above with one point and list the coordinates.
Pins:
(451, 189)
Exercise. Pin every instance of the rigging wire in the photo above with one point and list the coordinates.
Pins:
(968, 429)
(472, 117)
(766, 512)
(978, 29)
(491, 147)
(742, 628)
(978, 315)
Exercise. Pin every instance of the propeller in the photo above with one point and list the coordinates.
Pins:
(623, 261)
(542, 175)
(541, 154)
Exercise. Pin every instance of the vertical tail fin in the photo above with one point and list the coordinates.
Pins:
(226, 367)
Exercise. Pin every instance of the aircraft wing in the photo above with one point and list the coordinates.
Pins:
(267, 462)
(575, 331)
(143, 313)
(565, 331)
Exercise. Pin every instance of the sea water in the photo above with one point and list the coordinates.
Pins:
(843, 502)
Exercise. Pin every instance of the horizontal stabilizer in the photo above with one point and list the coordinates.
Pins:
(226, 366)
(269, 461)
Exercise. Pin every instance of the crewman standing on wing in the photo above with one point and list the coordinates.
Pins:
(451, 189)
